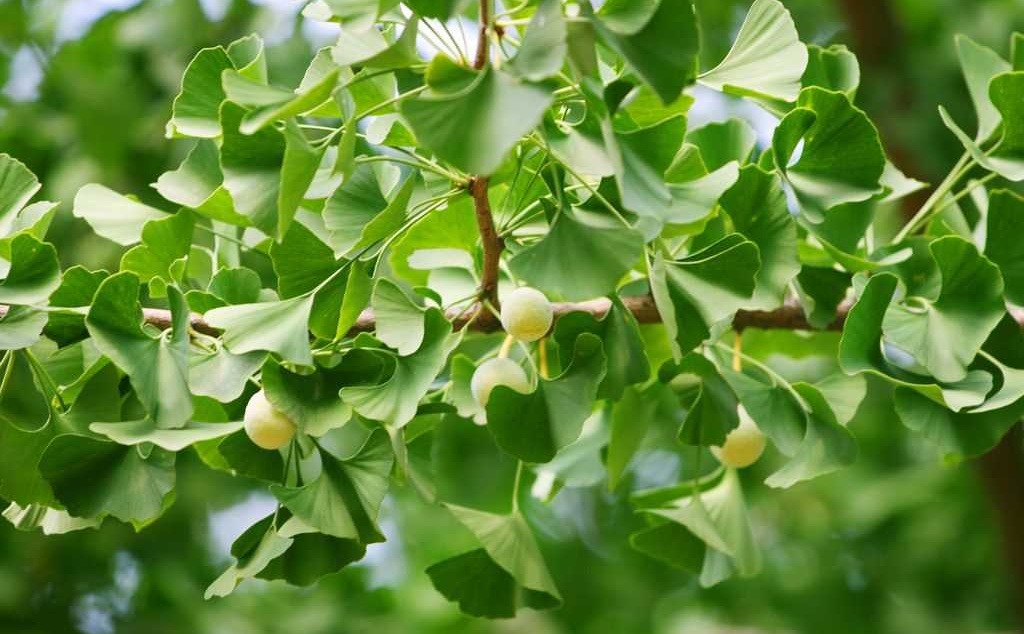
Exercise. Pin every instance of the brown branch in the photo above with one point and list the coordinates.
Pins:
(482, 44)
(492, 243)
(478, 185)
(787, 317)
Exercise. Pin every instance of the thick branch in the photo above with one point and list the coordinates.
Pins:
(482, 44)
(491, 242)
(787, 317)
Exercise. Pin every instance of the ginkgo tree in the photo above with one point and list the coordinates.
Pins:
(528, 243)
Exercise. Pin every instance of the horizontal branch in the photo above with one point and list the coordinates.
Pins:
(787, 317)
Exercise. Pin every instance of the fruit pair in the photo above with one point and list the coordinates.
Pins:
(526, 315)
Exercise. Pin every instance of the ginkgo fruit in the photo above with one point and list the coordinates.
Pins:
(526, 314)
(743, 445)
(495, 372)
(266, 426)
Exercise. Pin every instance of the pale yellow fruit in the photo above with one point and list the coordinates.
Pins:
(526, 314)
(266, 426)
(495, 372)
(743, 445)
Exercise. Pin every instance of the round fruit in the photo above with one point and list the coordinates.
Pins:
(743, 445)
(266, 426)
(495, 372)
(526, 314)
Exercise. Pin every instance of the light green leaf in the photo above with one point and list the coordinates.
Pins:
(381, 49)
(694, 201)
(34, 272)
(832, 68)
(475, 127)
(826, 447)
(198, 184)
(138, 432)
(394, 397)
(345, 499)
(359, 14)
(93, 478)
(164, 242)
(958, 435)
(267, 173)
(1005, 223)
(533, 427)
(635, 411)
(860, 350)
(774, 408)
(663, 51)
(361, 213)
(757, 206)
(603, 249)
(196, 107)
(766, 60)
(698, 291)
(49, 520)
(543, 49)
(721, 143)
(639, 159)
(945, 333)
(113, 216)
(627, 16)
(156, 366)
(842, 159)
(271, 104)
(21, 327)
(281, 327)
(222, 375)
(510, 544)
(268, 548)
(980, 64)
(401, 320)
(621, 341)
(718, 517)
(453, 227)
(1007, 159)
(303, 263)
(713, 414)
(310, 400)
(17, 186)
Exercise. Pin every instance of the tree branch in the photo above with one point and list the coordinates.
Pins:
(788, 317)
(492, 244)
(483, 44)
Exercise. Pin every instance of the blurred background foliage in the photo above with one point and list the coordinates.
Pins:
(898, 543)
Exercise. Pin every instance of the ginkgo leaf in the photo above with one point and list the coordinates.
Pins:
(475, 127)
(842, 160)
(345, 499)
(280, 327)
(980, 65)
(112, 215)
(156, 366)
(694, 293)
(766, 60)
(596, 241)
(393, 397)
(533, 427)
(945, 333)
